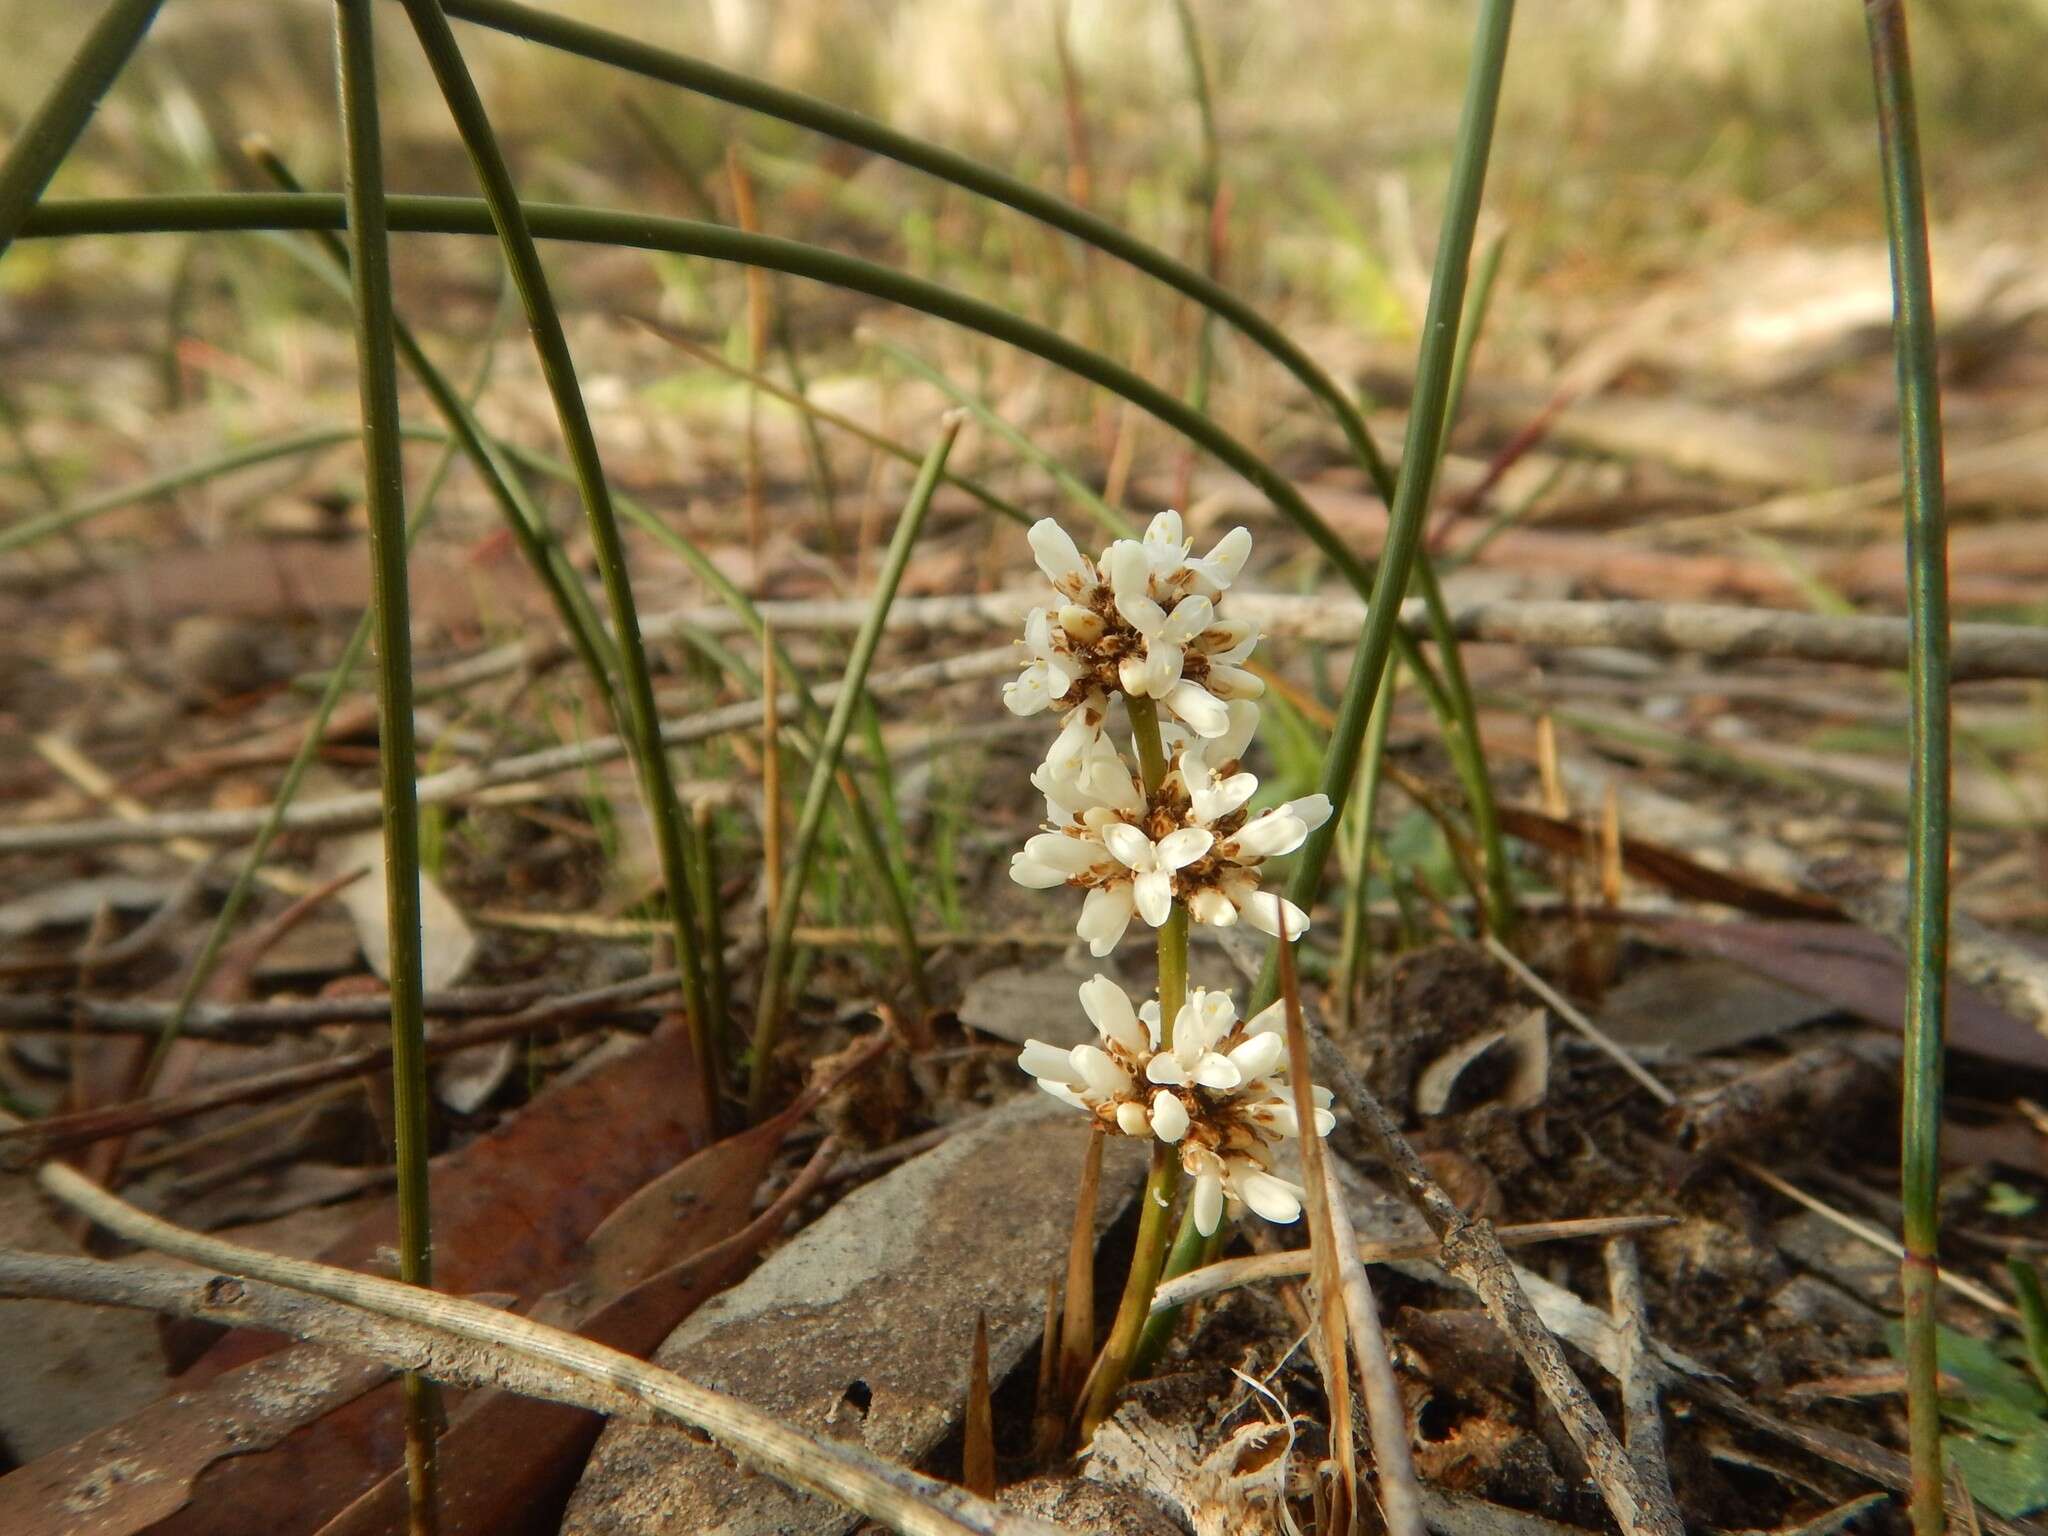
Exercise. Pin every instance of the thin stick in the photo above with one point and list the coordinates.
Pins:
(1578, 1021)
(471, 1345)
(340, 813)
(1471, 1252)
(1710, 631)
(1642, 1417)
(1293, 1263)
(60, 1132)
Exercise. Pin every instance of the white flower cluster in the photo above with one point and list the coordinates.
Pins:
(1219, 1094)
(1145, 620)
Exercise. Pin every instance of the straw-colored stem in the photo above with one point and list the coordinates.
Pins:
(1927, 836)
(551, 344)
(377, 378)
(825, 764)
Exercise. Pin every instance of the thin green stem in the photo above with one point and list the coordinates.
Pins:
(1426, 423)
(46, 138)
(1927, 835)
(551, 344)
(397, 760)
(1356, 968)
(825, 765)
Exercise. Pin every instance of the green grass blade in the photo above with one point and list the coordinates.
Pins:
(1927, 835)
(377, 377)
(818, 793)
(46, 138)
(508, 218)
(1426, 425)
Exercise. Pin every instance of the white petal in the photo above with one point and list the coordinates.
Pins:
(1134, 675)
(1325, 1122)
(1274, 1199)
(1032, 875)
(1056, 552)
(1129, 845)
(1218, 1011)
(1148, 1015)
(1049, 1063)
(1132, 1120)
(1129, 570)
(1190, 616)
(1207, 1204)
(1217, 1072)
(1104, 1078)
(1222, 796)
(1110, 1011)
(1276, 1117)
(1177, 850)
(1310, 810)
(1220, 641)
(1169, 1117)
(1030, 692)
(1071, 855)
(1165, 1070)
(1227, 558)
(1062, 1092)
(1104, 917)
(1228, 682)
(1211, 906)
(1244, 722)
(1269, 1020)
(1166, 529)
(1259, 1056)
(1267, 836)
(1202, 710)
(1080, 624)
(1163, 663)
(1153, 892)
(1263, 910)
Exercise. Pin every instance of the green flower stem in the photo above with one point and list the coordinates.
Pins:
(397, 752)
(1155, 1225)
(825, 764)
(551, 344)
(46, 138)
(1927, 836)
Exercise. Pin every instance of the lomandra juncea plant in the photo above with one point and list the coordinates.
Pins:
(1165, 834)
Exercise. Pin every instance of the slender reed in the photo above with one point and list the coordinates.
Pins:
(1927, 834)
(46, 138)
(551, 344)
(377, 377)
(825, 764)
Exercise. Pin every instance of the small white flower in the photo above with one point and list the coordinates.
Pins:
(1218, 1094)
(1153, 865)
(1049, 673)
